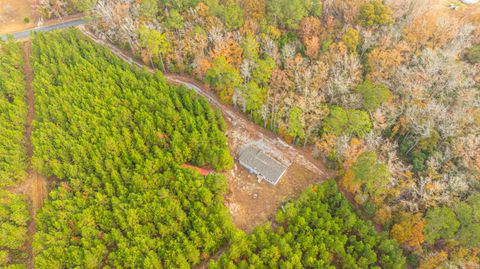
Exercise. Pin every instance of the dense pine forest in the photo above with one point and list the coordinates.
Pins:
(14, 218)
(14, 215)
(13, 115)
(116, 138)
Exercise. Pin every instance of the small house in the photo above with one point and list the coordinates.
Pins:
(261, 164)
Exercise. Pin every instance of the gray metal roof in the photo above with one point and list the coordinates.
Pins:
(261, 164)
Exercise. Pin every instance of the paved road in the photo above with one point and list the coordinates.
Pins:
(25, 34)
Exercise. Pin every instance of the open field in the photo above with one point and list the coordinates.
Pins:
(12, 13)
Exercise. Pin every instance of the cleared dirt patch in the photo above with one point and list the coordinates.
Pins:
(12, 13)
(252, 203)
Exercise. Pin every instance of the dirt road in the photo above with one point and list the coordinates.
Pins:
(35, 186)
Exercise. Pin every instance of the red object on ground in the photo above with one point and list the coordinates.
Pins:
(202, 171)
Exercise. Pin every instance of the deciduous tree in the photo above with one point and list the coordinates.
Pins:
(155, 43)
(373, 94)
(350, 121)
(223, 77)
(295, 123)
(351, 38)
(382, 63)
(430, 30)
(409, 231)
(375, 13)
(441, 223)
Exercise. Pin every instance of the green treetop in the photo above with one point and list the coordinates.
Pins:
(441, 223)
(373, 94)
(155, 43)
(224, 77)
(349, 121)
(375, 13)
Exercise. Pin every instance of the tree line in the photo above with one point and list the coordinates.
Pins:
(319, 230)
(14, 214)
(116, 138)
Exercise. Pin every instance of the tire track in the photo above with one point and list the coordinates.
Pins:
(35, 186)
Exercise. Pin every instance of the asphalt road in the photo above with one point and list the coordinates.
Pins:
(25, 34)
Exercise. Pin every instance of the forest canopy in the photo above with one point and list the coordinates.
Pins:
(319, 230)
(13, 115)
(14, 218)
(14, 214)
(116, 138)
